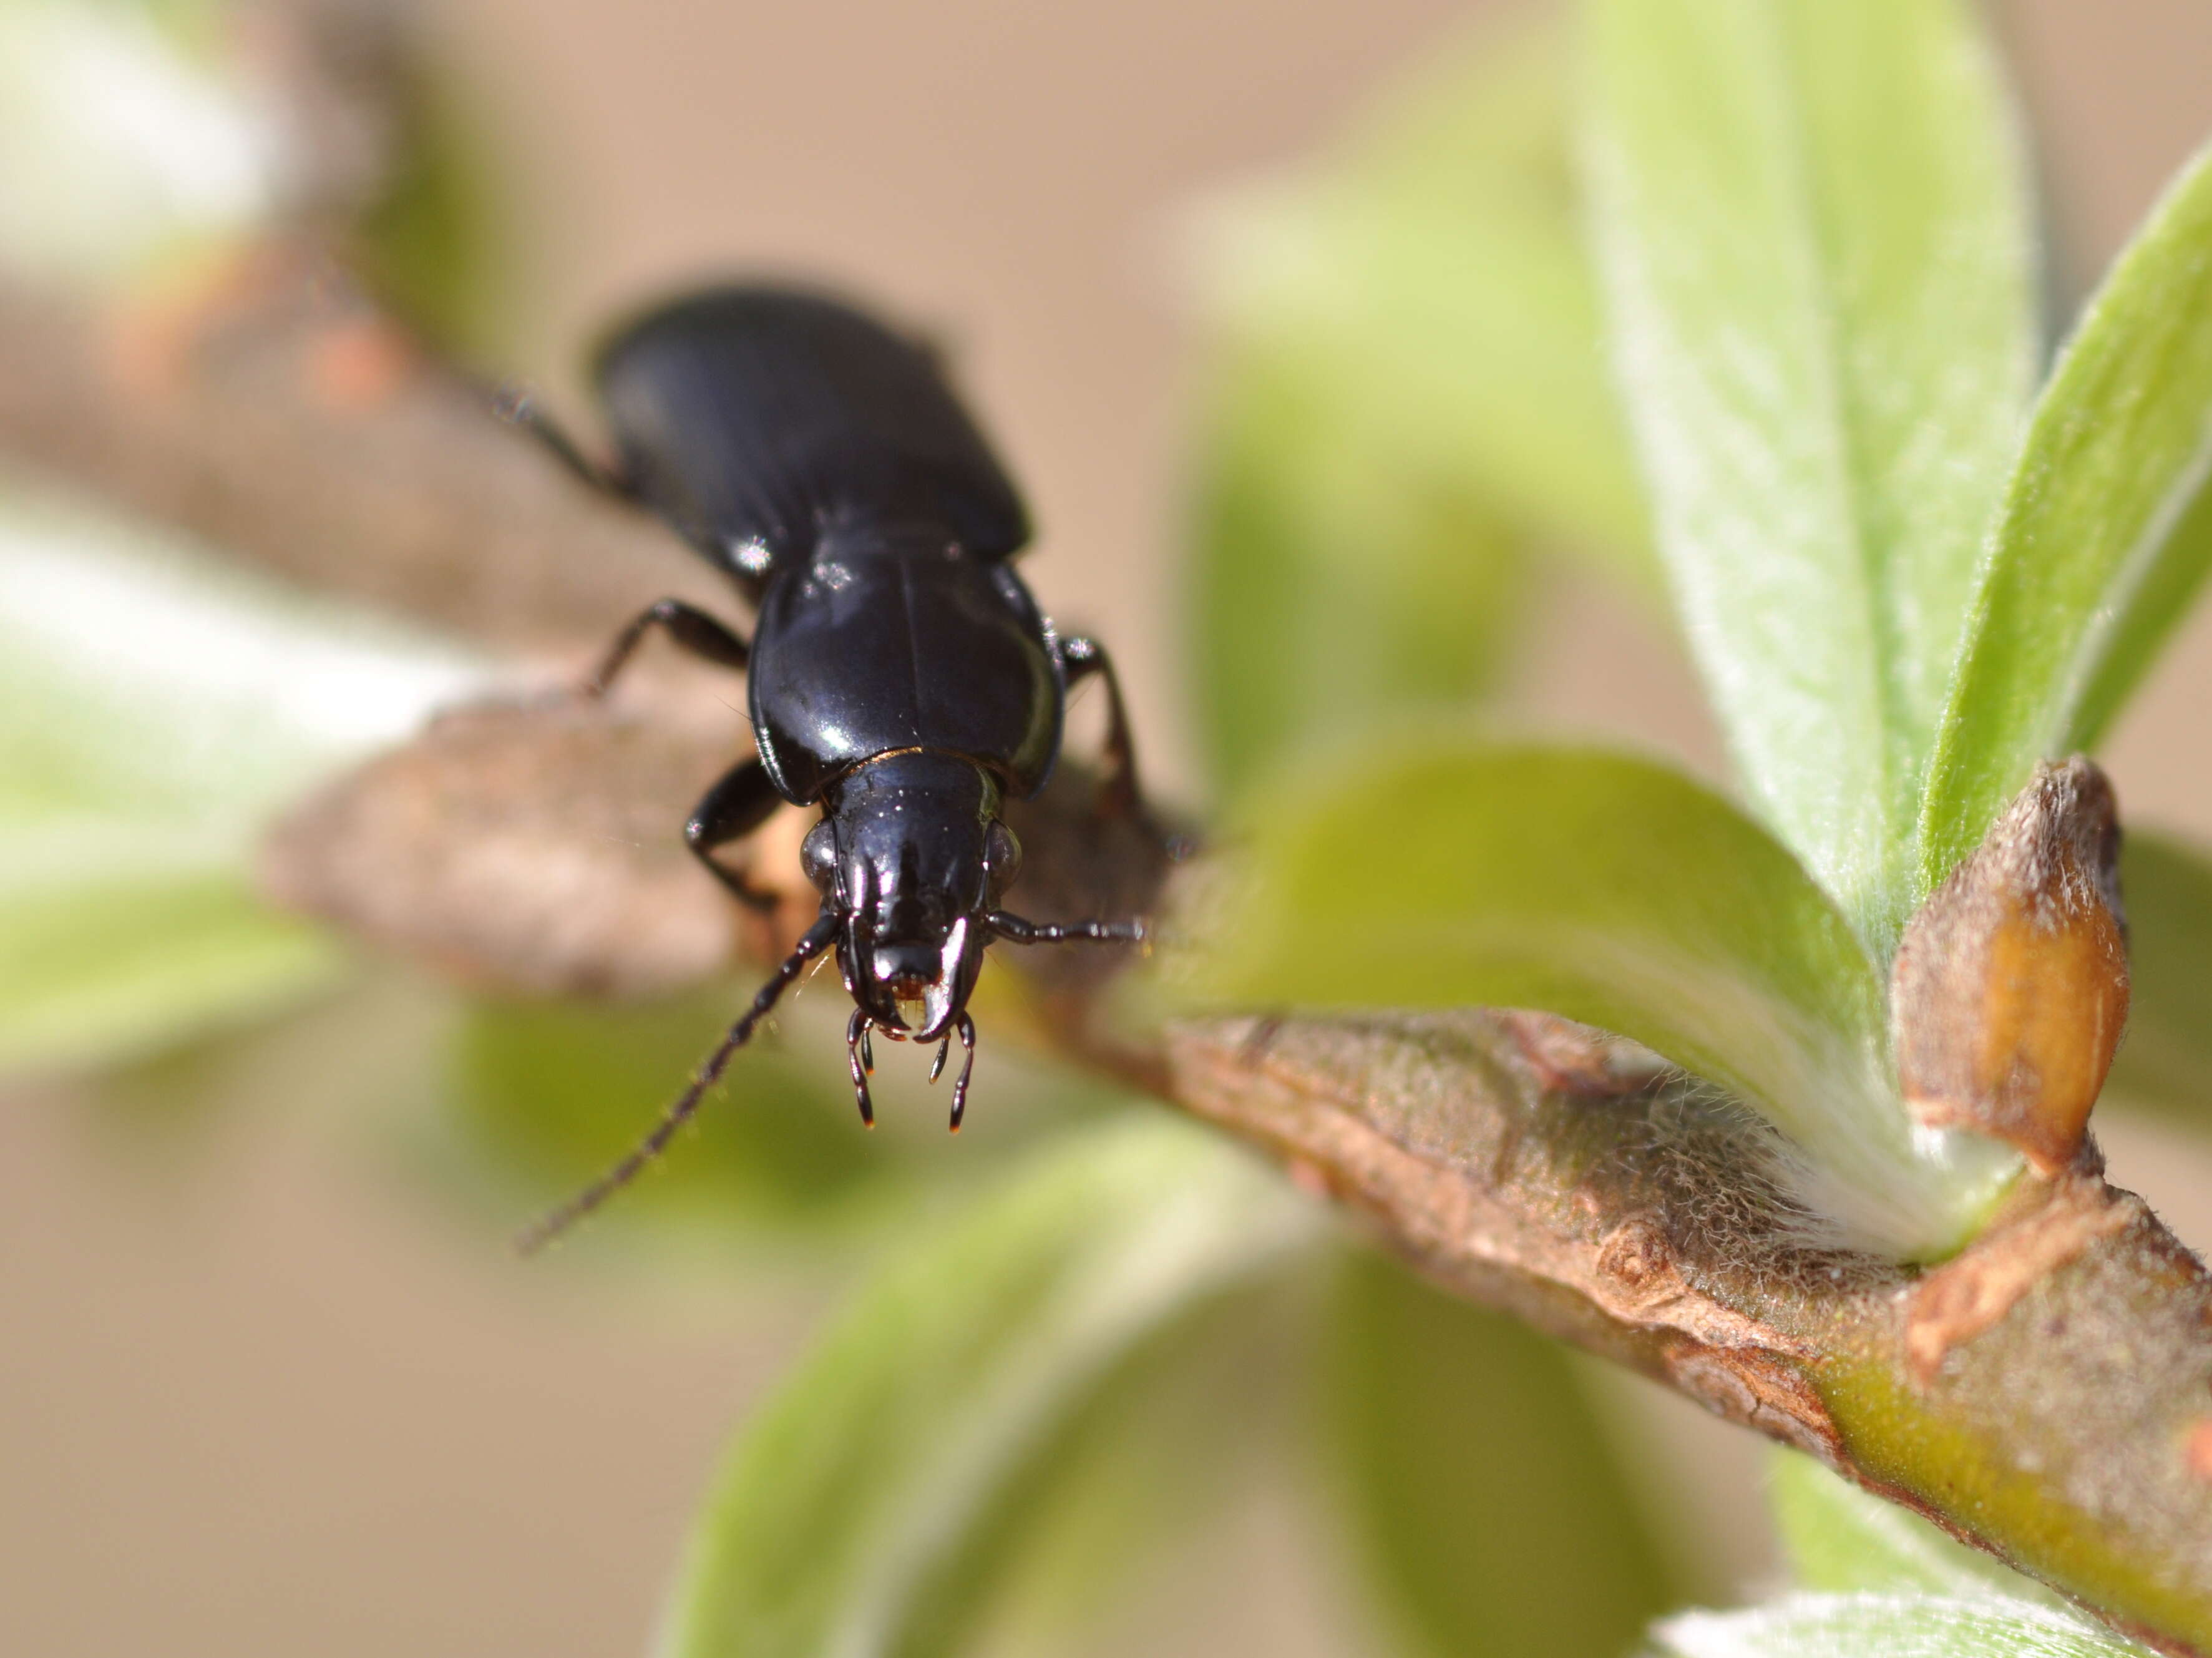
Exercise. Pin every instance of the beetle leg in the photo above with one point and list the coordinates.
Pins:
(819, 937)
(690, 627)
(738, 804)
(1080, 658)
(967, 1029)
(518, 406)
(856, 1035)
(1015, 930)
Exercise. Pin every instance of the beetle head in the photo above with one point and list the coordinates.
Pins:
(911, 856)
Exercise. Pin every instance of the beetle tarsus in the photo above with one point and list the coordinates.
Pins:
(966, 1027)
(856, 1040)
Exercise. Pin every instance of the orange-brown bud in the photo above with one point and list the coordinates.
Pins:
(2011, 987)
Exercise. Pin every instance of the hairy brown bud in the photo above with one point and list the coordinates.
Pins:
(2011, 987)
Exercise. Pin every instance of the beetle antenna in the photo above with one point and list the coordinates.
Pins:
(1015, 930)
(819, 937)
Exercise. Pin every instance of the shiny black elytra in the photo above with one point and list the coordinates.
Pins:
(900, 675)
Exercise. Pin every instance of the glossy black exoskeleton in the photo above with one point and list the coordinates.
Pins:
(900, 675)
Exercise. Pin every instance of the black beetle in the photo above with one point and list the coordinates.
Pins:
(900, 675)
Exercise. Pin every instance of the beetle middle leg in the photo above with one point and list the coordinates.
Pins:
(689, 627)
(738, 804)
(1081, 657)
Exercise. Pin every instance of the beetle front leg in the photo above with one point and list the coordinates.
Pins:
(740, 803)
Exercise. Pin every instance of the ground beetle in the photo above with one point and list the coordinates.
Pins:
(900, 675)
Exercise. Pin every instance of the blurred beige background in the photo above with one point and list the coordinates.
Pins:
(255, 1397)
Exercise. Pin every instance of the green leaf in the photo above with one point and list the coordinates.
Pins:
(1891, 1626)
(2166, 1059)
(2105, 531)
(840, 1522)
(1841, 1539)
(1451, 870)
(154, 710)
(1478, 1477)
(1811, 223)
(1335, 583)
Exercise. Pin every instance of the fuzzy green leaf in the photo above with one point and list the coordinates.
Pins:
(2105, 535)
(1479, 1484)
(1892, 1625)
(2166, 1059)
(1811, 224)
(1841, 1540)
(1614, 890)
(840, 1521)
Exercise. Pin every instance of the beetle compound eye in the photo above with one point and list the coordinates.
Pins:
(1002, 854)
(818, 855)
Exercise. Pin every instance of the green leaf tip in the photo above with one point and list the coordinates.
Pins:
(2104, 536)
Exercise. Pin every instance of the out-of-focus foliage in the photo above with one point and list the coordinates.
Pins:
(153, 710)
(1813, 223)
(2106, 532)
(2166, 1059)
(1476, 1478)
(850, 1515)
(1406, 395)
(125, 139)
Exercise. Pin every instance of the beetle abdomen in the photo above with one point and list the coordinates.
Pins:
(759, 416)
(867, 649)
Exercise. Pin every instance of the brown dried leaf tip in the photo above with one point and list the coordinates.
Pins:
(2011, 987)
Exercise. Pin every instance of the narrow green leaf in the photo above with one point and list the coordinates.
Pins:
(1841, 1540)
(1612, 890)
(2165, 1060)
(2105, 530)
(1485, 1497)
(844, 1510)
(1892, 1625)
(1811, 225)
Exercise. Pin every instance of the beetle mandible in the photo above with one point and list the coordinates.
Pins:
(900, 677)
